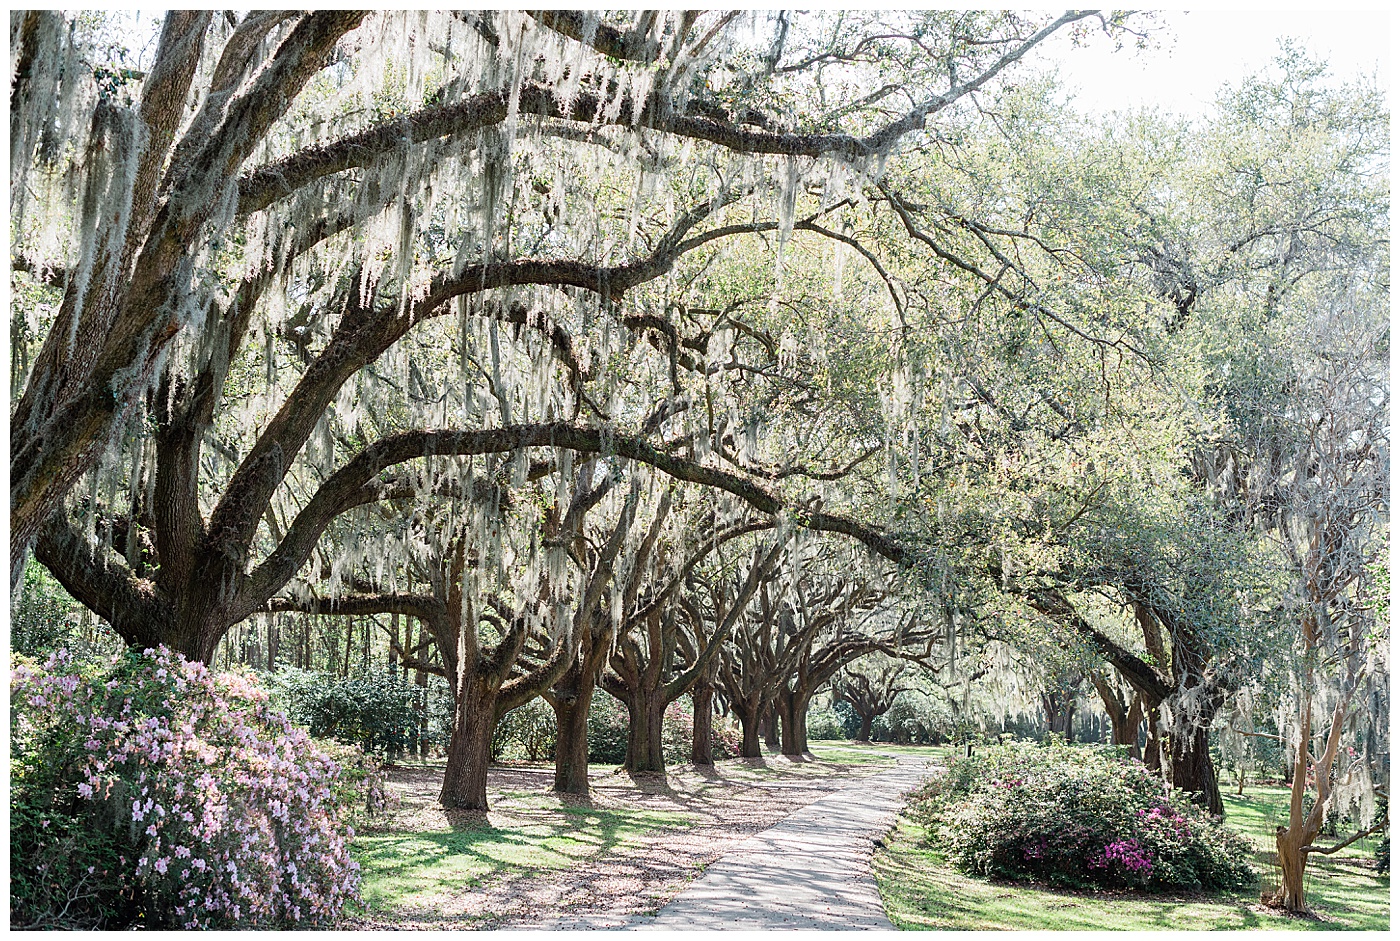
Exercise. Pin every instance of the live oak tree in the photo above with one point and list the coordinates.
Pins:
(869, 685)
(314, 305)
(503, 633)
(272, 223)
(666, 643)
(1304, 390)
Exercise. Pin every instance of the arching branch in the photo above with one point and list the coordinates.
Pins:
(263, 186)
(360, 471)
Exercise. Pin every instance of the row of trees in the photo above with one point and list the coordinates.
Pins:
(574, 341)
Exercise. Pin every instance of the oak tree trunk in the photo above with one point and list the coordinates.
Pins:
(1152, 751)
(792, 716)
(571, 743)
(571, 699)
(469, 750)
(750, 742)
(866, 720)
(770, 727)
(644, 712)
(1193, 771)
(702, 750)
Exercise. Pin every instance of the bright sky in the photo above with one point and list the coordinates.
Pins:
(1201, 49)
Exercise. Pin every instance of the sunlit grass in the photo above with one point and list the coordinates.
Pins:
(862, 753)
(406, 871)
(922, 891)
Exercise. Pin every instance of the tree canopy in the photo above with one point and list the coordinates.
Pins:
(705, 353)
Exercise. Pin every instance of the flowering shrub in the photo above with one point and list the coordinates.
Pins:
(1128, 857)
(154, 792)
(678, 730)
(1075, 815)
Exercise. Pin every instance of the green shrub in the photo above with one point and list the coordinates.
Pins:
(381, 714)
(607, 730)
(825, 725)
(1078, 816)
(151, 792)
(913, 719)
(526, 733)
(45, 618)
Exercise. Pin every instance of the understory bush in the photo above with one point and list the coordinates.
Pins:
(1075, 815)
(526, 733)
(381, 714)
(678, 731)
(825, 725)
(45, 618)
(607, 732)
(913, 719)
(147, 791)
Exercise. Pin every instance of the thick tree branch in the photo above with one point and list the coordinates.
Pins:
(263, 186)
(129, 604)
(330, 499)
(363, 334)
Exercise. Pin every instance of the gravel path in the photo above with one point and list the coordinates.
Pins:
(812, 870)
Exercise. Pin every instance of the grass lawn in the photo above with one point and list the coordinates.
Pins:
(921, 890)
(412, 870)
(536, 855)
(860, 753)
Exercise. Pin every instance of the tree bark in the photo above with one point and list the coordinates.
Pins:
(1152, 751)
(571, 742)
(1192, 769)
(469, 751)
(791, 708)
(1125, 717)
(866, 721)
(571, 698)
(702, 699)
(1292, 863)
(645, 709)
(771, 735)
(750, 741)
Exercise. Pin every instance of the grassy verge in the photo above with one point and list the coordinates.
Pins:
(862, 753)
(407, 871)
(922, 891)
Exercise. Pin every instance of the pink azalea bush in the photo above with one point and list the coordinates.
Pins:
(152, 791)
(1076, 815)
